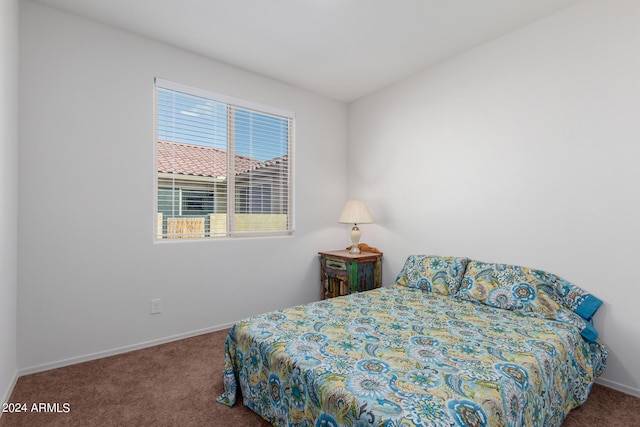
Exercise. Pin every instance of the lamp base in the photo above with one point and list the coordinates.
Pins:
(355, 238)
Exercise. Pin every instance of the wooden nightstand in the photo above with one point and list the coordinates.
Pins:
(343, 273)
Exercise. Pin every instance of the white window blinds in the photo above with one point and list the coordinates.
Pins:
(224, 166)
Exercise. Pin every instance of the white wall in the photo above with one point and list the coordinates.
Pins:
(9, 190)
(88, 266)
(524, 150)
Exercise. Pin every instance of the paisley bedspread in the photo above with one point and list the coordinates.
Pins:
(399, 356)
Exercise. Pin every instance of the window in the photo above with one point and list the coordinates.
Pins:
(224, 167)
(197, 201)
(255, 199)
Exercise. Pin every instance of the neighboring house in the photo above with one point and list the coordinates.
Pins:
(193, 189)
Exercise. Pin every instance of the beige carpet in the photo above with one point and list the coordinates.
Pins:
(176, 384)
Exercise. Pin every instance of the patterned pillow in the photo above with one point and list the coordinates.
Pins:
(437, 274)
(510, 287)
(569, 295)
(587, 330)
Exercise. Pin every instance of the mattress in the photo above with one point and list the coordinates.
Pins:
(398, 356)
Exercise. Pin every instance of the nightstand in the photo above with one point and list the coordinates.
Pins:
(343, 273)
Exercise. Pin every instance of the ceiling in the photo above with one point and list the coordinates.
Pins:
(343, 49)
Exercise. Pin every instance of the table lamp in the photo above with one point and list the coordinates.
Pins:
(355, 212)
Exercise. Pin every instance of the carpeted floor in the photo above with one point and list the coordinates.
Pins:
(176, 384)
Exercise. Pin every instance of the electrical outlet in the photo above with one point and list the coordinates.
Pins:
(156, 306)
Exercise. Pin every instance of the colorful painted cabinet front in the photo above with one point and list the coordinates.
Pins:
(342, 273)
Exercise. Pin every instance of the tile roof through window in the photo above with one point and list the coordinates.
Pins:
(198, 160)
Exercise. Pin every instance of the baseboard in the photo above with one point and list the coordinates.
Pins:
(619, 387)
(9, 390)
(120, 350)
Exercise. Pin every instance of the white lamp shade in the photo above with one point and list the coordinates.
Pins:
(355, 212)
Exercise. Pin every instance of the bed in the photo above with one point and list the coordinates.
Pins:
(414, 353)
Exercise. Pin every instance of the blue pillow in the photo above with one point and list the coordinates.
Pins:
(589, 332)
(530, 292)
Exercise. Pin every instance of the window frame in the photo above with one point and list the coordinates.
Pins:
(232, 202)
